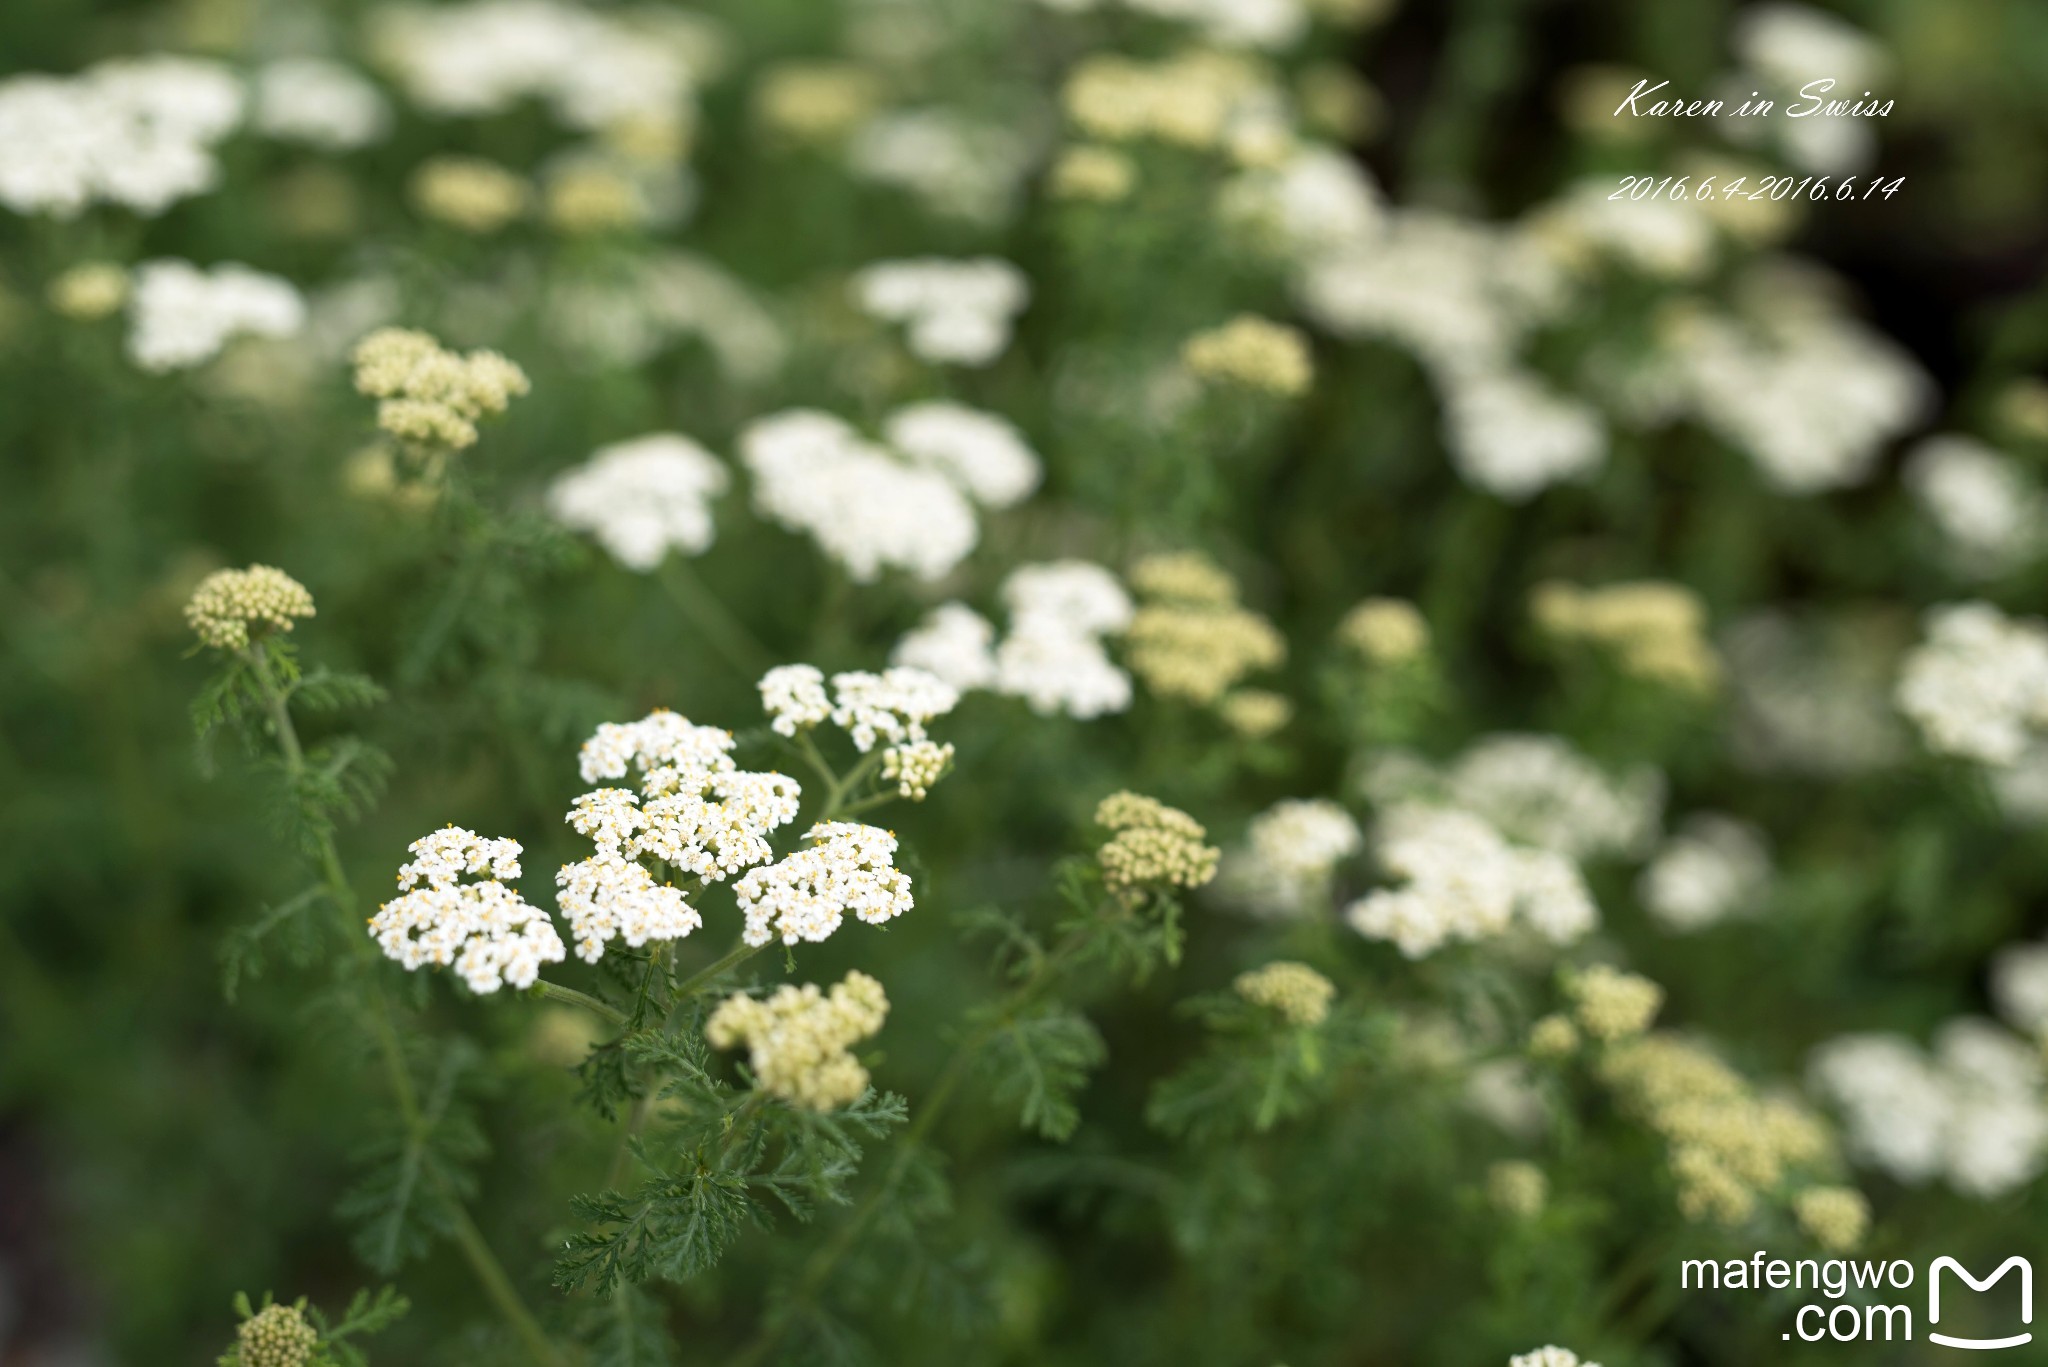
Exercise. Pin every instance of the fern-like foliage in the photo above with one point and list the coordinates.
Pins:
(415, 1174)
(1038, 1062)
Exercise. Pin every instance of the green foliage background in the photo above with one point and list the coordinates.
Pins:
(167, 1146)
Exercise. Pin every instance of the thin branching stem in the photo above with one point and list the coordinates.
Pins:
(489, 1272)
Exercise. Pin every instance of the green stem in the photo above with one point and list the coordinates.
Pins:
(818, 1272)
(582, 999)
(489, 1272)
(723, 632)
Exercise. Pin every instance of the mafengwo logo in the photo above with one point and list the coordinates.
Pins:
(1863, 1320)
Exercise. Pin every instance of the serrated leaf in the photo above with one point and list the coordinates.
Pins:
(1039, 1063)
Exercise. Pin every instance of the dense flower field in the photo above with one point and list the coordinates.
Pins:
(1018, 681)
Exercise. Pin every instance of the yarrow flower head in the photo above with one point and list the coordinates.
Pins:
(1191, 640)
(1252, 353)
(799, 1040)
(276, 1336)
(89, 290)
(1385, 631)
(953, 643)
(915, 767)
(1655, 630)
(643, 498)
(1300, 994)
(1290, 857)
(428, 394)
(470, 194)
(955, 312)
(484, 930)
(1154, 846)
(183, 315)
(892, 706)
(1836, 1217)
(1549, 1356)
(844, 867)
(1612, 1005)
(227, 603)
(1977, 686)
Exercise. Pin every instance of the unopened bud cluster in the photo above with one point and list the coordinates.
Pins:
(799, 1040)
(228, 603)
(1252, 353)
(1191, 640)
(1386, 631)
(429, 395)
(1299, 993)
(1655, 631)
(276, 1336)
(1613, 1005)
(1154, 845)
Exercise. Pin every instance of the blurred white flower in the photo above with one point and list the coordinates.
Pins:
(2019, 985)
(1266, 24)
(1510, 436)
(1535, 790)
(1714, 869)
(321, 103)
(954, 643)
(1460, 881)
(182, 315)
(955, 312)
(136, 132)
(1977, 685)
(1973, 1114)
(1284, 869)
(1316, 202)
(593, 69)
(643, 498)
(1989, 513)
(956, 166)
(984, 454)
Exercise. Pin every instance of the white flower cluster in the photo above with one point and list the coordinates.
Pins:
(696, 812)
(1809, 393)
(1977, 685)
(485, 930)
(320, 103)
(1714, 869)
(1780, 47)
(1461, 296)
(956, 166)
(2019, 986)
(1535, 790)
(1266, 24)
(1671, 239)
(182, 315)
(627, 316)
(799, 1040)
(1290, 855)
(1990, 515)
(1316, 202)
(1462, 881)
(593, 70)
(907, 504)
(1053, 656)
(954, 312)
(643, 498)
(890, 708)
(844, 867)
(1973, 1114)
(1549, 1356)
(137, 132)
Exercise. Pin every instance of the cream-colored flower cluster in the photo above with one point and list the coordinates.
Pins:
(1198, 100)
(90, 290)
(1385, 631)
(697, 812)
(1729, 1148)
(1656, 630)
(484, 930)
(843, 867)
(889, 709)
(1612, 1005)
(800, 1040)
(1190, 639)
(471, 194)
(276, 1336)
(1154, 845)
(1092, 173)
(1836, 1217)
(915, 767)
(227, 603)
(428, 394)
(1517, 1188)
(1301, 995)
(1252, 353)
